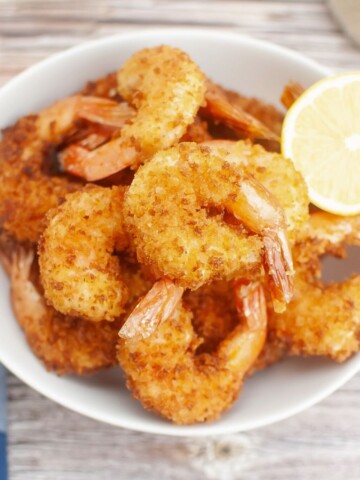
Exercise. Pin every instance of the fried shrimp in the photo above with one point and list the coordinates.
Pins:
(180, 230)
(105, 87)
(166, 213)
(188, 243)
(80, 273)
(30, 185)
(166, 88)
(323, 319)
(64, 344)
(169, 376)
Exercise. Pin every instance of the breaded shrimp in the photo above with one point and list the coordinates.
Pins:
(30, 182)
(79, 271)
(323, 319)
(28, 190)
(274, 351)
(166, 88)
(176, 235)
(175, 210)
(64, 344)
(168, 375)
(166, 214)
(180, 230)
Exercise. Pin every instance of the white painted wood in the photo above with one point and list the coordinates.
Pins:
(47, 442)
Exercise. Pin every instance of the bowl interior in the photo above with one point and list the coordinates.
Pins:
(252, 67)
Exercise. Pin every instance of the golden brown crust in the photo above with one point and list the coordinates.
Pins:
(30, 177)
(168, 374)
(80, 273)
(29, 186)
(167, 88)
(174, 232)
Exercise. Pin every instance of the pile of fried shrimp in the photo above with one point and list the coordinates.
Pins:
(150, 222)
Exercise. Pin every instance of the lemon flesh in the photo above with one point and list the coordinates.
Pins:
(321, 134)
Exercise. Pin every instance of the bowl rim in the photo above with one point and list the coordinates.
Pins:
(163, 428)
(173, 430)
(179, 31)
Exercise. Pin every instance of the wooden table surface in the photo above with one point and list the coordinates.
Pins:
(47, 442)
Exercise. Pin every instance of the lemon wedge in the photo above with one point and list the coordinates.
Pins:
(321, 135)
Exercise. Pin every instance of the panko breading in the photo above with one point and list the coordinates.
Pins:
(184, 249)
(168, 375)
(274, 351)
(173, 232)
(180, 227)
(79, 271)
(197, 132)
(105, 87)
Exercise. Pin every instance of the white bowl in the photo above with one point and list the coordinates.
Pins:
(250, 66)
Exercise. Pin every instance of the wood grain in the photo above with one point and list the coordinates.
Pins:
(32, 30)
(48, 442)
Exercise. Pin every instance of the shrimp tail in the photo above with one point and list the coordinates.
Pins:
(245, 343)
(279, 266)
(292, 91)
(155, 308)
(105, 112)
(21, 262)
(250, 303)
(100, 163)
(26, 301)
